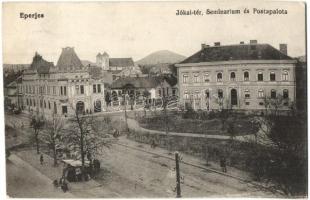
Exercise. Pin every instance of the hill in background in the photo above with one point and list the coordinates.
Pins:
(159, 57)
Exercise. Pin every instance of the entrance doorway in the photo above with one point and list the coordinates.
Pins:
(233, 97)
(80, 107)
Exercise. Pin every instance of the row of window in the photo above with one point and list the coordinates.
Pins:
(246, 77)
(261, 94)
(42, 90)
(33, 102)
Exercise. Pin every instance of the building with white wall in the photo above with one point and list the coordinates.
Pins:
(237, 76)
(63, 88)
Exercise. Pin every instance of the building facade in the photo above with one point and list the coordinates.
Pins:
(238, 76)
(64, 88)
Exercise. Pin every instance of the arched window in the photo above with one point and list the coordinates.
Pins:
(196, 78)
(232, 76)
(260, 76)
(219, 77)
(272, 76)
(285, 94)
(44, 104)
(273, 94)
(27, 102)
(220, 93)
(185, 94)
(260, 93)
(285, 76)
(185, 78)
(197, 94)
(246, 76)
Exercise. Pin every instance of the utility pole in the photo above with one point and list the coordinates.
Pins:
(177, 169)
(165, 102)
(125, 112)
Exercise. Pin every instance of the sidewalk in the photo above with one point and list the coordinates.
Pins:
(23, 180)
(85, 189)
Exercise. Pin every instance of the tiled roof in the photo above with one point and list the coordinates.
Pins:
(68, 60)
(97, 73)
(42, 66)
(237, 52)
(137, 82)
(121, 62)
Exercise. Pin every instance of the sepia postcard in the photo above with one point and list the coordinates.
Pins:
(155, 99)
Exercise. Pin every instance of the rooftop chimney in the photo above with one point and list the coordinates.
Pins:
(253, 41)
(283, 48)
(217, 44)
(203, 45)
(241, 42)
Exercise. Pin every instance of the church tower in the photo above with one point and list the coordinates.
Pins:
(102, 60)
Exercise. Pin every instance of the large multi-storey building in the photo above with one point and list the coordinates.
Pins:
(63, 88)
(238, 76)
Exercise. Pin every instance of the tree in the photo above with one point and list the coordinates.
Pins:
(107, 98)
(280, 154)
(53, 134)
(146, 94)
(88, 136)
(166, 118)
(37, 124)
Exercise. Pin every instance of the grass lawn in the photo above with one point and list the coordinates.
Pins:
(176, 123)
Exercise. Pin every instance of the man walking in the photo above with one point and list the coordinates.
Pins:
(223, 164)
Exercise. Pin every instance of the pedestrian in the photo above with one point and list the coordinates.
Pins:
(223, 164)
(153, 144)
(64, 185)
(41, 159)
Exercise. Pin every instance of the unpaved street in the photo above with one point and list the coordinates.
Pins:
(148, 175)
(134, 173)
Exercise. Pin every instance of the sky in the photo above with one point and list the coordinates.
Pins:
(136, 29)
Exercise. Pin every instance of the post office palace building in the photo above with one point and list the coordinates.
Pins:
(237, 76)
